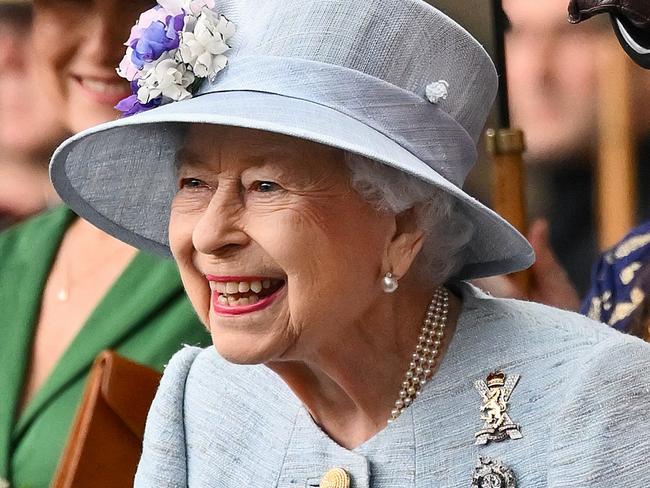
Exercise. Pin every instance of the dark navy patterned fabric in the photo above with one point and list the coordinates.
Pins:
(621, 281)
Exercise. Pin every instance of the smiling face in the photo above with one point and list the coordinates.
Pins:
(79, 44)
(29, 125)
(552, 80)
(277, 252)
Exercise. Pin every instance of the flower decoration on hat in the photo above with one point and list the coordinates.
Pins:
(172, 48)
(438, 90)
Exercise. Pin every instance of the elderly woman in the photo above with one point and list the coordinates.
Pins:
(303, 162)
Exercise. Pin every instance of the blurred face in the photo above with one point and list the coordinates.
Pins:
(552, 75)
(79, 43)
(275, 250)
(29, 126)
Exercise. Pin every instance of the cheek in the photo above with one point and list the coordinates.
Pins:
(54, 44)
(579, 73)
(349, 232)
(54, 41)
(180, 232)
(330, 254)
(181, 226)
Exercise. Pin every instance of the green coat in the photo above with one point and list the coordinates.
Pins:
(145, 317)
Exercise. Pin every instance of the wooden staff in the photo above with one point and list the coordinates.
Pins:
(506, 147)
(615, 173)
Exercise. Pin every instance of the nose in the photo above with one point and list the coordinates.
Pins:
(542, 63)
(220, 230)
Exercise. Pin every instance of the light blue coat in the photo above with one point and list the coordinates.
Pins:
(583, 404)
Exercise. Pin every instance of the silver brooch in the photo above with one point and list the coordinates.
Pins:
(491, 473)
(495, 392)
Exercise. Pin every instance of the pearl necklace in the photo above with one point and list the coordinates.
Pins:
(426, 352)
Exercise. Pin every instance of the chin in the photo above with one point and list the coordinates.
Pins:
(246, 349)
(90, 116)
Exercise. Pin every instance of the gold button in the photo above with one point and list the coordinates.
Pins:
(335, 478)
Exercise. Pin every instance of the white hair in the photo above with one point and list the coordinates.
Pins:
(447, 231)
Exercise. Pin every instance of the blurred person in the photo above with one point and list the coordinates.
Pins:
(619, 293)
(620, 289)
(553, 90)
(68, 290)
(29, 126)
(552, 82)
(621, 284)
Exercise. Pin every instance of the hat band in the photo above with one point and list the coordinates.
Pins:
(420, 127)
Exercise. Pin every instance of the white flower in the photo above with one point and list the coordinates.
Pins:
(438, 90)
(203, 43)
(166, 78)
(193, 7)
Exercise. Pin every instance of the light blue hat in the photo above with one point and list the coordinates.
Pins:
(393, 80)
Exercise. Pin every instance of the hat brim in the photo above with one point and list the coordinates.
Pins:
(121, 175)
(634, 40)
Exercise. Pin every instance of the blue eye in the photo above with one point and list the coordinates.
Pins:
(265, 186)
(191, 183)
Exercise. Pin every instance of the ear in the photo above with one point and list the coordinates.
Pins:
(405, 244)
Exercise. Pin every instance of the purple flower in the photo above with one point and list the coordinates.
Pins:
(158, 38)
(131, 105)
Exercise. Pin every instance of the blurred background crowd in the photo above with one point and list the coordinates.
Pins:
(553, 76)
(553, 71)
(29, 127)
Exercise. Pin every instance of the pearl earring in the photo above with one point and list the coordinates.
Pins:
(389, 283)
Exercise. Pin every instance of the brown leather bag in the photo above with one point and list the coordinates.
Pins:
(105, 443)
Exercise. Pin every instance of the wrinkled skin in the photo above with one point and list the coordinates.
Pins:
(307, 226)
(250, 204)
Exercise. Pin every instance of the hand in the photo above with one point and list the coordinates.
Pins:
(549, 282)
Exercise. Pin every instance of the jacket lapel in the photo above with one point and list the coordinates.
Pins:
(146, 285)
(23, 272)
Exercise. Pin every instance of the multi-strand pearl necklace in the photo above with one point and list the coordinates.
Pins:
(424, 359)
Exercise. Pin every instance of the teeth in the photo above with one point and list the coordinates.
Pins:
(227, 292)
(102, 86)
(233, 287)
(237, 302)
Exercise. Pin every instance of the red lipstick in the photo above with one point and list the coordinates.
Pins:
(263, 297)
(244, 309)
